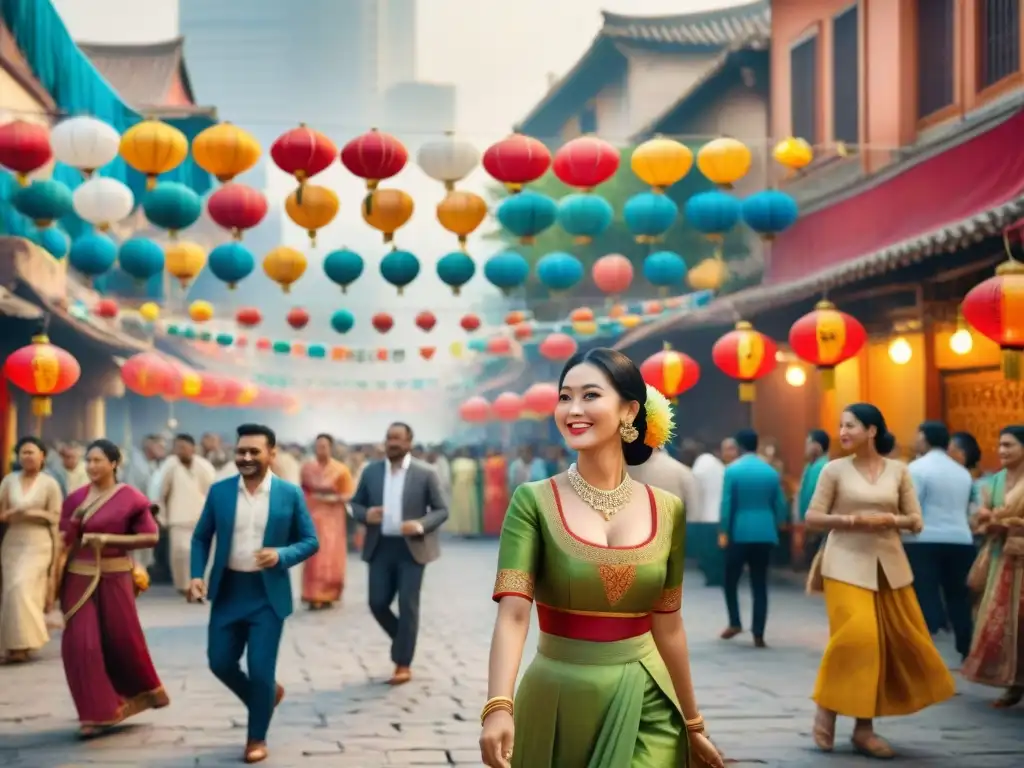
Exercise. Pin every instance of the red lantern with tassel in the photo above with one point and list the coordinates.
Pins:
(426, 321)
(236, 207)
(995, 309)
(303, 153)
(508, 406)
(469, 323)
(374, 156)
(746, 355)
(517, 160)
(24, 148)
(383, 322)
(476, 410)
(670, 372)
(825, 338)
(43, 371)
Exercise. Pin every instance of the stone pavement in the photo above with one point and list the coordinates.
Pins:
(338, 713)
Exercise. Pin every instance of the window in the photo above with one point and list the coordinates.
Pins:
(998, 40)
(846, 76)
(588, 118)
(803, 75)
(935, 55)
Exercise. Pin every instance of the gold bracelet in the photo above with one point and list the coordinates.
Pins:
(494, 704)
(696, 725)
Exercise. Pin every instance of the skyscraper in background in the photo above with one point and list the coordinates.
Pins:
(396, 42)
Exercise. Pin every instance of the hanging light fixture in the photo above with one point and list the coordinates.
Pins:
(961, 342)
(796, 376)
(900, 351)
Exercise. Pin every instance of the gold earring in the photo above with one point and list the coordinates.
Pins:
(628, 432)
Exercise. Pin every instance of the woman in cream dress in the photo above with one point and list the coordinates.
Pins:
(30, 503)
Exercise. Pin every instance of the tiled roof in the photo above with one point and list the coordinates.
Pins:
(716, 28)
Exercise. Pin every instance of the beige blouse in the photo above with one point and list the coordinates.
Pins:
(854, 557)
(43, 498)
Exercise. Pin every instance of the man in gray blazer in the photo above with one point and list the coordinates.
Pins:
(400, 502)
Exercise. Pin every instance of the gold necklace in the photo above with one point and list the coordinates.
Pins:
(608, 503)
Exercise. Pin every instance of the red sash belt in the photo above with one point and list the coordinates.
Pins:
(595, 627)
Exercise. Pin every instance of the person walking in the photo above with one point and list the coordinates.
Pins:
(399, 500)
(262, 529)
(185, 481)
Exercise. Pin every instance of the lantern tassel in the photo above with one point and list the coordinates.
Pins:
(828, 378)
(1011, 364)
(151, 182)
(747, 392)
(42, 407)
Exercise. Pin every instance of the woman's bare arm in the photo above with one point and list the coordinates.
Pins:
(507, 645)
(670, 637)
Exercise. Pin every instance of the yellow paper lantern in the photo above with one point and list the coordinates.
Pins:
(200, 311)
(630, 321)
(724, 161)
(709, 275)
(585, 327)
(312, 207)
(661, 162)
(793, 153)
(387, 210)
(153, 147)
(191, 384)
(284, 266)
(247, 395)
(461, 213)
(150, 312)
(184, 261)
(456, 349)
(225, 151)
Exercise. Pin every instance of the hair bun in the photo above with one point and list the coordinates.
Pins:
(885, 442)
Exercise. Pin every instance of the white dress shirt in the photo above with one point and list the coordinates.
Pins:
(709, 474)
(251, 515)
(394, 485)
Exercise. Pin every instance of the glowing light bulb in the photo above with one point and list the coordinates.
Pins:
(796, 376)
(900, 351)
(961, 342)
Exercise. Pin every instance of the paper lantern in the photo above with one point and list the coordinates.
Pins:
(342, 321)
(43, 371)
(343, 267)
(184, 261)
(374, 156)
(527, 214)
(92, 255)
(506, 270)
(426, 321)
(455, 269)
(469, 322)
(522, 331)
(150, 311)
(710, 275)
(106, 308)
(427, 353)
(541, 399)
(517, 160)
(153, 147)
(769, 212)
(670, 372)
(995, 309)
(793, 154)
(499, 345)
(559, 271)
(825, 338)
(475, 410)
(448, 160)
(585, 162)
(284, 266)
(84, 143)
(200, 311)
(461, 213)
(746, 355)
(54, 242)
(585, 216)
(141, 258)
(237, 208)
(724, 161)
(297, 318)
(382, 322)
(399, 268)
(665, 270)
(649, 216)
(43, 201)
(661, 162)
(612, 274)
(172, 206)
(231, 263)
(312, 207)
(103, 201)
(558, 347)
(387, 210)
(515, 317)
(248, 317)
(508, 406)
(303, 153)
(225, 151)
(24, 148)
(147, 374)
(712, 213)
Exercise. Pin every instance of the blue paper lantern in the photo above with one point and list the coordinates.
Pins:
(527, 214)
(140, 258)
(93, 255)
(665, 269)
(506, 270)
(585, 216)
(231, 263)
(712, 213)
(399, 268)
(343, 267)
(649, 216)
(559, 271)
(44, 201)
(342, 321)
(455, 269)
(770, 212)
(54, 241)
(316, 351)
(225, 339)
(172, 206)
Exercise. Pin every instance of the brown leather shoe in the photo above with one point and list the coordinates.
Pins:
(872, 745)
(402, 676)
(255, 752)
(730, 632)
(278, 693)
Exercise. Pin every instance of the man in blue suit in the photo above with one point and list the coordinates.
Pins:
(262, 529)
(753, 509)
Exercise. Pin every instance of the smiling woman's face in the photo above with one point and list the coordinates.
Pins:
(589, 410)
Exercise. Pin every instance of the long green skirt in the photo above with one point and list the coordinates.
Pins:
(598, 705)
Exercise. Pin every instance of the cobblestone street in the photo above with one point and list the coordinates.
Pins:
(339, 713)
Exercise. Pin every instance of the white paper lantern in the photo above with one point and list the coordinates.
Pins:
(84, 143)
(103, 202)
(448, 160)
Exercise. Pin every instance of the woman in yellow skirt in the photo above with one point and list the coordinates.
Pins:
(880, 660)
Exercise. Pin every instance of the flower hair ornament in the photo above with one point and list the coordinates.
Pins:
(660, 420)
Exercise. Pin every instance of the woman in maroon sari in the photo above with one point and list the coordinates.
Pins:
(106, 660)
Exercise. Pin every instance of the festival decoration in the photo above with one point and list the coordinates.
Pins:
(584, 216)
(506, 271)
(248, 317)
(184, 261)
(146, 374)
(211, 390)
(517, 160)
(461, 213)
(653, 308)
(140, 258)
(284, 266)
(660, 420)
(303, 153)
(769, 212)
(515, 317)
(237, 394)
(670, 372)
(43, 371)
(724, 161)
(343, 267)
(584, 327)
(387, 210)
(746, 355)
(200, 311)
(541, 399)
(382, 322)
(106, 308)
(282, 347)
(427, 352)
(231, 263)
(263, 344)
(102, 202)
(582, 315)
(709, 275)
(558, 347)
(612, 274)
(649, 215)
(559, 271)
(43, 201)
(172, 206)
(54, 241)
(312, 207)
(585, 162)
(399, 268)
(455, 269)
(476, 410)
(225, 151)
(499, 345)
(661, 162)
(825, 338)
(994, 308)
(448, 160)
(153, 147)
(84, 143)
(793, 154)
(664, 269)
(426, 321)
(149, 311)
(527, 215)
(374, 156)
(630, 321)
(342, 321)
(92, 255)
(24, 148)
(297, 318)
(236, 208)
(712, 213)
(508, 406)
(469, 322)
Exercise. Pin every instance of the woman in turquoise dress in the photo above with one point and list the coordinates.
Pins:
(602, 557)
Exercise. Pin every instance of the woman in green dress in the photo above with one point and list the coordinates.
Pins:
(602, 556)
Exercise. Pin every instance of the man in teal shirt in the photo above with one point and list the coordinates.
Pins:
(816, 453)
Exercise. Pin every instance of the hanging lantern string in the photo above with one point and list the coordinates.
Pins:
(1019, 227)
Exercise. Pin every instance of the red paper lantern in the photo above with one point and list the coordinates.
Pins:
(515, 317)
(558, 347)
(746, 355)
(181, 382)
(426, 321)
(586, 162)
(237, 208)
(248, 317)
(523, 331)
(105, 308)
(147, 374)
(827, 337)
(995, 309)
(499, 345)
(670, 372)
(653, 308)
(238, 394)
(476, 410)
(241, 342)
(374, 156)
(24, 147)
(383, 322)
(469, 323)
(613, 274)
(212, 389)
(508, 406)
(263, 344)
(382, 355)
(517, 160)
(541, 399)
(582, 315)
(297, 318)
(43, 371)
(303, 152)
(427, 352)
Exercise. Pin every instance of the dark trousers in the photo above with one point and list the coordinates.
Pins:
(940, 581)
(756, 557)
(393, 571)
(242, 620)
